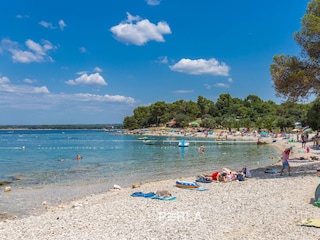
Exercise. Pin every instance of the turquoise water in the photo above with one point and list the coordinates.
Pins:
(43, 167)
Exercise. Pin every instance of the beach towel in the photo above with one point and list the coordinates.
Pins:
(197, 189)
(272, 171)
(310, 223)
(299, 160)
(152, 195)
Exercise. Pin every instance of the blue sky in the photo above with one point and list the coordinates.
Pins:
(93, 62)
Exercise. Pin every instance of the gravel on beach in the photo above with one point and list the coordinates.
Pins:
(266, 206)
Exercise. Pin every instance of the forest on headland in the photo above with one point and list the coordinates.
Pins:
(227, 112)
(295, 78)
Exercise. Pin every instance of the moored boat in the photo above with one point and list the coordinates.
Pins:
(183, 143)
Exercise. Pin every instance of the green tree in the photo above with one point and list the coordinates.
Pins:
(313, 114)
(297, 78)
(224, 104)
(157, 110)
(142, 116)
(208, 122)
(130, 122)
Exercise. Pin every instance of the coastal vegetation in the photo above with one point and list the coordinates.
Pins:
(226, 112)
(295, 79)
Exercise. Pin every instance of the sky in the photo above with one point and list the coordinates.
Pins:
(94, 62)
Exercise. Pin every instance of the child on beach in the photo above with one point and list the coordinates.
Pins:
(285, 163)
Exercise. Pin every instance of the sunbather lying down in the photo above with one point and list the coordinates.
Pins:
(217, 176)
(225, 175)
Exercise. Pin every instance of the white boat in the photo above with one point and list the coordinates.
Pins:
(183, 143)
(149, 141)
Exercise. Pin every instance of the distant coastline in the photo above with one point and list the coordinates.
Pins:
(61, 127)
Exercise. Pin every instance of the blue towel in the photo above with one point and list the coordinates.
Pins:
(152, 195)
(141, 194)
(164, 198)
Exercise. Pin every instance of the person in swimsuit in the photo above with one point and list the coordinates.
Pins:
(217, 176)
(285, 163)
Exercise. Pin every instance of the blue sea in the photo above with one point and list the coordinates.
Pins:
(42, 164)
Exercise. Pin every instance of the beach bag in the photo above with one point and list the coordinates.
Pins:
(240, 177)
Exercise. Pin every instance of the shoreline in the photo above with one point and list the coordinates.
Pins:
(266, 205)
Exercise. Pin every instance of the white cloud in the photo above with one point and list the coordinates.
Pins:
(62, 25)
(86, 79)
(153, 2)
(42, 89)
(41, 95)
(184, 91)
(230, 80)
(4, 80)
(221, 85)
(82, 72)
(35, 52)
(22, 16)
(201, 66)
(46, 24)
(104, 98)
(49, 25)
(5, 86)
(163, 59)
(217, 85)
(139, 32)
(28, 80)
(97, 69)
(82, 49)
(207, 86)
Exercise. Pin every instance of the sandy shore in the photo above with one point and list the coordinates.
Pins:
(266, 206)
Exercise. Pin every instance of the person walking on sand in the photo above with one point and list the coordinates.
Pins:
(285, 163)
(303, 140)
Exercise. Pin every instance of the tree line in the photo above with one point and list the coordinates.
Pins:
(295, 79)
(226, 112)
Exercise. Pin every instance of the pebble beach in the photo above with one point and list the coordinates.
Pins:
(266, 206)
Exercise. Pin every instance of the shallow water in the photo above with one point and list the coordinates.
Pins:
(44, 161)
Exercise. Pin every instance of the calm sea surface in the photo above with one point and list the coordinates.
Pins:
(43, 167)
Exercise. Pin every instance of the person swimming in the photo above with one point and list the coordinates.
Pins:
(201, 149)
(78, 157)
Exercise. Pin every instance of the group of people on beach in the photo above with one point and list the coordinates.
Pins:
(226, 175)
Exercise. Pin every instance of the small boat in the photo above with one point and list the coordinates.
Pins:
(142, 138)
(183, 143)
(149, 141)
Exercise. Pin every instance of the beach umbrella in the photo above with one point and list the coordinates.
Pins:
(307, 130)
(194, 123)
